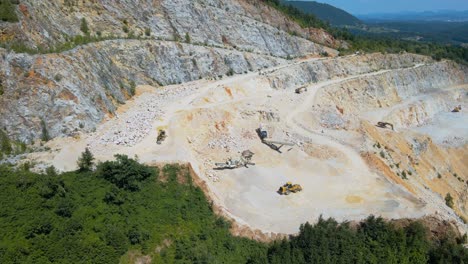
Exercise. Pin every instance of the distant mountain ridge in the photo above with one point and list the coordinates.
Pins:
(326, 12)
(440, 15)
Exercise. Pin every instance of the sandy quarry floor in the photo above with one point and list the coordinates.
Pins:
(210, 121)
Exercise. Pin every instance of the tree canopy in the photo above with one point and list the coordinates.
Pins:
(125, 209)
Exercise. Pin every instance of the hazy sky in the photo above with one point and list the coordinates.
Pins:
(391, 6)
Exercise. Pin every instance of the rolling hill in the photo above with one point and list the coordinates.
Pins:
(326, 12)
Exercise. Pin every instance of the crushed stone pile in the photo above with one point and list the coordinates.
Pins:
(132, 126)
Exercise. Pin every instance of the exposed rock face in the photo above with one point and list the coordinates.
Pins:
(410, 94)
(246, 25)
(431, 170)
(425, 152)
(321, 36)
(76, 89)
(408, 79)
(393, 87)
(321, 70)
(82, 85)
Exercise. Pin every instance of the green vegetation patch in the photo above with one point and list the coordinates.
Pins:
(96, 217)
(391, 45)
(5, 144)
(373, 241)
(7, 11)
(325, 12)
(303, 19)
(9, 146)
(449, 200)
(124, 209)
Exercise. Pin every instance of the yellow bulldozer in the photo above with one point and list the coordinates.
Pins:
(289, 188)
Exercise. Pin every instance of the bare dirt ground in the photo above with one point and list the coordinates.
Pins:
(210, 121)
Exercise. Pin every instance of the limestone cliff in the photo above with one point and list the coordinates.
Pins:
(243, 24)
(155, 42)
(75, 89)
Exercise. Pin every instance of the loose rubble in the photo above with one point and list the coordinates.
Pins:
(134, 125)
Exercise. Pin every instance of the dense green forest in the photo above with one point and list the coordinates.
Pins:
(392, 45)
(325, 12)
(436, 15)
(424, 31)
(96, 217)
(303, 19)
(124, 209)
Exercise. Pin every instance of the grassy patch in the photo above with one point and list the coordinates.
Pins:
(9, 146)
(7, 11)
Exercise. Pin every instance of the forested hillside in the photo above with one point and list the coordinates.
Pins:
(98, 217)
(374, 42)
(443, 32)
(124, 210)
(326, 12)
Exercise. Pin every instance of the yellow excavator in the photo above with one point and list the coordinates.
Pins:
(457, 109)
(161, 136)
(301, 90)
(289, 188)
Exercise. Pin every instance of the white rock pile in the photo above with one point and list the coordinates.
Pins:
(211, 174)
(227, 142)
(132, 126)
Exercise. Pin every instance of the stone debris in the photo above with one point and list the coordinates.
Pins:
(269, 116)
(131, 127)
(211, 174)
(230, 142)
(454, 141)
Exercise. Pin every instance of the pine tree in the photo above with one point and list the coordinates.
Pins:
(84, 26)
(86, 161)
(5, 144)
(45, 132)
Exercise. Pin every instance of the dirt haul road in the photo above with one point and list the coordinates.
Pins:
(211, 121)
